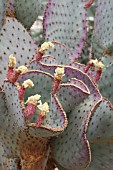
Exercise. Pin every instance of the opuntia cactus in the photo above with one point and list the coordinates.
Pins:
(52, 114)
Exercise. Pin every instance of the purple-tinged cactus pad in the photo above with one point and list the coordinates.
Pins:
(79, 84)
(59, 53)
(91, 72)
(2, 12)
(10, 11)
(56, 120)
(100, 136)
(70, 96)
(42, 84)
(48, 60)
(15, 108)
(70, 72)
(106, 82)
(103, 28)
(34, 65)
(14, 39)
(12, 121)
(15, 138)
(71, 16)
(27, 11)
(71, 150)
(54, 123)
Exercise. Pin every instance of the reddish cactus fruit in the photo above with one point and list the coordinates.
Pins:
(31, 107)
(26, 84)
(87, 67)
(98, 75)
(44, 108)
(39, 121)
(41, 51)
(56, 85)
(38, 55)
(89, 3)
(59, 73)
(29, 111)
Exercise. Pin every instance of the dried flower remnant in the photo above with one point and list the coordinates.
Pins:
(44, 108)
(59, 73)
(99, 65)
(41, 51)
(12, 61)
(22, 69)
(13, 74)
(26, 84)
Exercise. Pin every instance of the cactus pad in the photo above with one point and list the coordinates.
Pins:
(71, 16)
(16, 138)
(14, 121)
(2, 12)
(48, 60)
(69, 152)
(79, 84)
(27, 11)
(34, 65)
(107, 60)
(104, 25)
(59, 53)
(42, 84)
(15, 109)
(14, 39)
(55, 120)
(100, 132)
(54, 123)
(105, 83)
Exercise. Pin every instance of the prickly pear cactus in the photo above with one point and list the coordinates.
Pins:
(52, 113)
